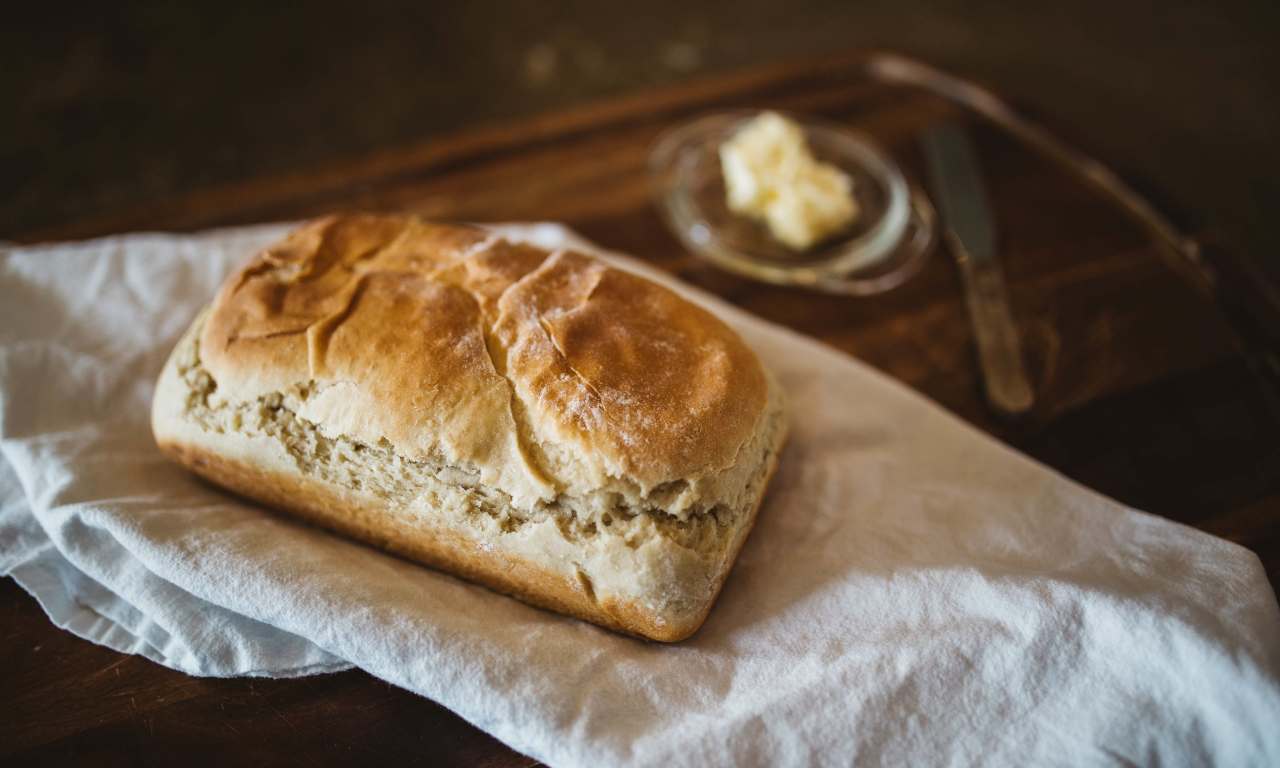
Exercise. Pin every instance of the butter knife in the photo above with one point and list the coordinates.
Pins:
(970, 233)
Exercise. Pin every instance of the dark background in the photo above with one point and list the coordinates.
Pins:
(109, 105)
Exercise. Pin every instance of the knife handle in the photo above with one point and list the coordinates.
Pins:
(999, 351)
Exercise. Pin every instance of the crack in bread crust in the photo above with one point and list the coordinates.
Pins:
(497, 352)
(405, 482)
(559, 373)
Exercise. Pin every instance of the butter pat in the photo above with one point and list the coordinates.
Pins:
(770, 175)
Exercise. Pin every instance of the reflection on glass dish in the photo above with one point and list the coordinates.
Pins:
(884, 246)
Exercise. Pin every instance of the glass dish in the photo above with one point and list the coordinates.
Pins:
(887, 243)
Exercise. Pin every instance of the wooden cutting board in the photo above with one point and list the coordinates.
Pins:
(1142, 392)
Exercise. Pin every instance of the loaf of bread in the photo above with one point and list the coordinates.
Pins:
(541, 423)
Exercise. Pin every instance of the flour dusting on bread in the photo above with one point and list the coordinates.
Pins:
(540, 422)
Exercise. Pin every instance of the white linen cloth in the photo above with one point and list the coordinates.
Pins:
(914, 592)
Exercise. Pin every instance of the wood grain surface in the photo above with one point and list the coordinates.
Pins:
(1142, 392)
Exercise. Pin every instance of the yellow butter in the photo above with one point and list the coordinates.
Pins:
(771, 175)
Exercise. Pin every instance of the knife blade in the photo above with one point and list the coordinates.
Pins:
(956, 178)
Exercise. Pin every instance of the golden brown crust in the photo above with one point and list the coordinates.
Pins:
(432, 329)
(629, 369)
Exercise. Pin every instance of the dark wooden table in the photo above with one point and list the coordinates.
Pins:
(1142, 390)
